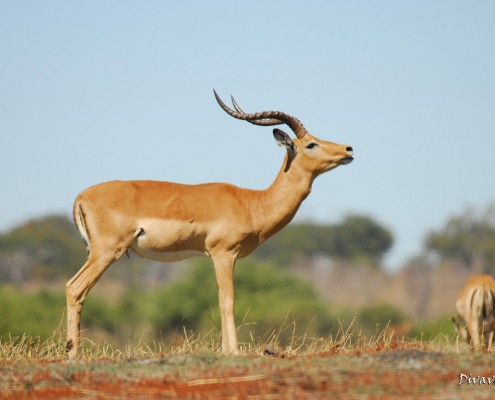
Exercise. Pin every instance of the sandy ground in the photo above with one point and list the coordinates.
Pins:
(400, 373)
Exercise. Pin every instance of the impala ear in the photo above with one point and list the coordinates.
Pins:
(284, 140)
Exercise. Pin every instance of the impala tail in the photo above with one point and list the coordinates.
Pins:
(79, 219)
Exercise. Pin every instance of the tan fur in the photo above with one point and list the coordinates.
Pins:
(167, 221)
(476, 309)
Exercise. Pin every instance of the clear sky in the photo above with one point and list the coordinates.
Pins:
(99, 90)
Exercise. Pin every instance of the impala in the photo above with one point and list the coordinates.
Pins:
(475, 305)
(170, 221)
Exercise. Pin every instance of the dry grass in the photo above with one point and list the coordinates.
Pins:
(348, 339)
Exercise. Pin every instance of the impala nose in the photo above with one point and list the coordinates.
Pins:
(348, 159)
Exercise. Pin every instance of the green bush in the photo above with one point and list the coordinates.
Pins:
(267, 300)
(374, 318)
(37, 314)
(429, 330)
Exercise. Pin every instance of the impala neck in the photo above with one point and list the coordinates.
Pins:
(280, 202)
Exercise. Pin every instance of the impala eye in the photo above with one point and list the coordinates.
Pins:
(312, 145)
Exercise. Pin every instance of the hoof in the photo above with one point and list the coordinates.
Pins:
(69, 346)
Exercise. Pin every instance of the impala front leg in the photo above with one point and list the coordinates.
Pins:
(224, 271)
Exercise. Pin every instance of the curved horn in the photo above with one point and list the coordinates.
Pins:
(264, 118)
(262, 122)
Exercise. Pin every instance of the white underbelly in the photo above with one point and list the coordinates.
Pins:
(168, 240)
(166, 256)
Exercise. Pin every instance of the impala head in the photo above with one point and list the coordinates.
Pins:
(315, 155)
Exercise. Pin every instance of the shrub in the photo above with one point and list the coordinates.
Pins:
(267, 300)
(376, 317)
(33, 314)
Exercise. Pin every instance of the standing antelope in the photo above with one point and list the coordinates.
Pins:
(170, 221)
(475, 305)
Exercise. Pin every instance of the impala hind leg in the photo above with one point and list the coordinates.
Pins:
(77, 290)
(489, 341)
(224, 271)
(475, 333)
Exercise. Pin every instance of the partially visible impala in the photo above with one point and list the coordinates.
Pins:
(170, 221)
(476, 307)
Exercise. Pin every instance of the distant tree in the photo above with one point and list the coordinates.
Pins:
(355, 237)
(469, 237)
(296, 240)
(358, 237)
(42, 248)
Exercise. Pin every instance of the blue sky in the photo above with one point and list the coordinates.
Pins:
(93, 91)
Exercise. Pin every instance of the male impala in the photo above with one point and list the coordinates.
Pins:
(475, 305)
(169, 221)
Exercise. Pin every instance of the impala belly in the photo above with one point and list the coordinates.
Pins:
(168, 240)
(166, 256)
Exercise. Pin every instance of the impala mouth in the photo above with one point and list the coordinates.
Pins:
(346, 160)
